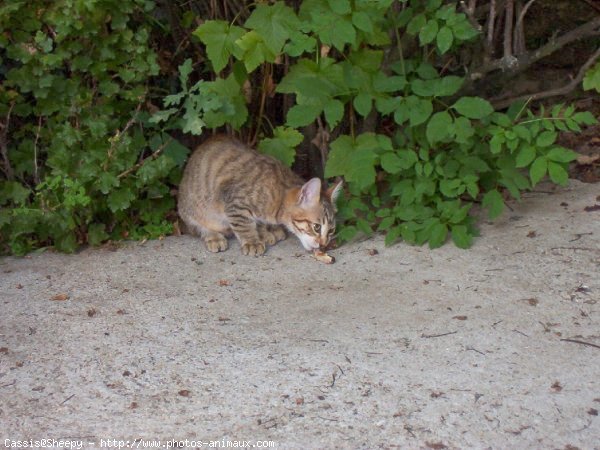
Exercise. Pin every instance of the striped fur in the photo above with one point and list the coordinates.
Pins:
(228, 189)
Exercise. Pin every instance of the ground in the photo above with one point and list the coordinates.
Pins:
(400, 347)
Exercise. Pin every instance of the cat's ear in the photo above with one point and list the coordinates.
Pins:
(310, 193)
(334, 191)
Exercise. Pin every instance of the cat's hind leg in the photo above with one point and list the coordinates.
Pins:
(213, 240)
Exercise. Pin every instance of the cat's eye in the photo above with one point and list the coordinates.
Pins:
(331, 231)
(317, 227)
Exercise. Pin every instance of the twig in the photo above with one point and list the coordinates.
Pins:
(8, 170)
(490, 30)
(36, 177)
(572, 85)
(519, 37)
(141, 163)
(427, 336)
(579, 236)
(576, 248)
(523, 12)
(67, 399)
(267, 74)
(470, 13)
(508, 28)
(575, 341)
(589, 29)
(474, 350)
(117, 137)
(521, 333)
(593, 5)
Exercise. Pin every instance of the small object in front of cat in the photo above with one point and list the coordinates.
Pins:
(229, 189)
(322, 256)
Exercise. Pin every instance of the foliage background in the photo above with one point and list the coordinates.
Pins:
(101, 100)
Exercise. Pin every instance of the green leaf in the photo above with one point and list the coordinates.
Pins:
(340, 7)
(383, 83)
(561, 155)
(433, 5)
(219, 37)
(367, 59)
(255, 50)
(97, 233)
(120, 199)
(386, 223)
(496, 143)
(473, 107)
(391, 162)
(461, 236)
(163, 115)
(229, 107)
(309, 79)
(438, 234)
(448, 86)
(184, 72)
(299, 43)
(329, 27)
(418, 110)
(463, 30)
(192, 123)
(538, 169)
(546, 138)
(362, 21)
(66, 242)
(463, 130)
(13, 191)
(363, 103)
(282, 145)
(592, 78)
(392, 235)
(176, 151)
(444, 39)
(494, 202)
(302, 115)
(450, 187)
(439, 127)
(416, 24)
(585, 118)
(557, 173)
(346, 233)
(525, 156)
(354, 161)
(334, 111)
(274, 23)
(428, 32)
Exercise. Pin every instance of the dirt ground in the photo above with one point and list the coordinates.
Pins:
(401, 347)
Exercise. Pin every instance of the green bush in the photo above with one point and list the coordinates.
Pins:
(76, 75)
(446, 152)
(84, 161)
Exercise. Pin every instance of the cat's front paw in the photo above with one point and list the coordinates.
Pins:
(272, 235)
(253, 248)
(216, 244)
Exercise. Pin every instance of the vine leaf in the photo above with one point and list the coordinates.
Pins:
(219, 38)
(274, 23)
(473, 107)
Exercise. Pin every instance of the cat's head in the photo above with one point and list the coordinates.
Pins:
(311, 213)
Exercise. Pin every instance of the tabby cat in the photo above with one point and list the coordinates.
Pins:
(228, 188)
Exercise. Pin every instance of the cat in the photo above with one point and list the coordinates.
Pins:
(228, 188)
